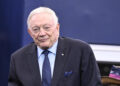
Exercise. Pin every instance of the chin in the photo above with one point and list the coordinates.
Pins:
(43, 46)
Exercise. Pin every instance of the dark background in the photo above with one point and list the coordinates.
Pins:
(96, 21)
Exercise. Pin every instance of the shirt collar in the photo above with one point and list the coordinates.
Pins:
(52, 49)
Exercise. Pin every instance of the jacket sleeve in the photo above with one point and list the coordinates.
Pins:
(90, 75)
(12, 78)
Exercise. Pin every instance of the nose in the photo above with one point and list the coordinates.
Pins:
(42, 32)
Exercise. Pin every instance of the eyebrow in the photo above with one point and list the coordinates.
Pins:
(35, 27)
(47, 24)
(42, 25)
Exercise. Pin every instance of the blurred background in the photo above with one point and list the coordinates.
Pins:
(96, 22)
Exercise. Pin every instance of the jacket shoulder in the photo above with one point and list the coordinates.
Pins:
(75, 42)
(23, 50)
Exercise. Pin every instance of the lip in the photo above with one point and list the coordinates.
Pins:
(43, 40)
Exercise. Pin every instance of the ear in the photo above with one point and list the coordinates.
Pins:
(30, 33)
(58, 26)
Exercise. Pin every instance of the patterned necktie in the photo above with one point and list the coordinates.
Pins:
(46, 70)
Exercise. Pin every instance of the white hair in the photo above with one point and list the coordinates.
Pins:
(40, 10)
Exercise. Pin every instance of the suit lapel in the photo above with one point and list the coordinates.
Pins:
(59, 62)
(34, 66)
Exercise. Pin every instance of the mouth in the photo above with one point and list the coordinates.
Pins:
(43, 40)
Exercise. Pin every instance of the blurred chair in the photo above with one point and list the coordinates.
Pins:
(107, 81)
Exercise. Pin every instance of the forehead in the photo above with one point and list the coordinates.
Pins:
(42, 18)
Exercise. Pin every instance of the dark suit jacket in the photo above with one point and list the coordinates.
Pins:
(75, 65)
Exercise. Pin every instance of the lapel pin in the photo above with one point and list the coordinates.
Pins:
(62, 54)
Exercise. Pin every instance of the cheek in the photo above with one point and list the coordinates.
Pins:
(54, 35)
(35, 35)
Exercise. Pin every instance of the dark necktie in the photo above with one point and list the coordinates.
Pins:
(46, 70)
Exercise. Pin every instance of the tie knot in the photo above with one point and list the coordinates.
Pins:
(45, 52)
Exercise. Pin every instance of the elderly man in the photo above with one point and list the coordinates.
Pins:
(52, 60)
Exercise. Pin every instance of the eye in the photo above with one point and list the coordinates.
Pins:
(35, 29)
(46, 27)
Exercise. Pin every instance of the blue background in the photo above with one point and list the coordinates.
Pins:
(94, 21)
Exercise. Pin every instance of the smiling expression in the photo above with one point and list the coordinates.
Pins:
(43, 29)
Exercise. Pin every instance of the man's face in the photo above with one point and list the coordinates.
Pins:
(43, 29)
